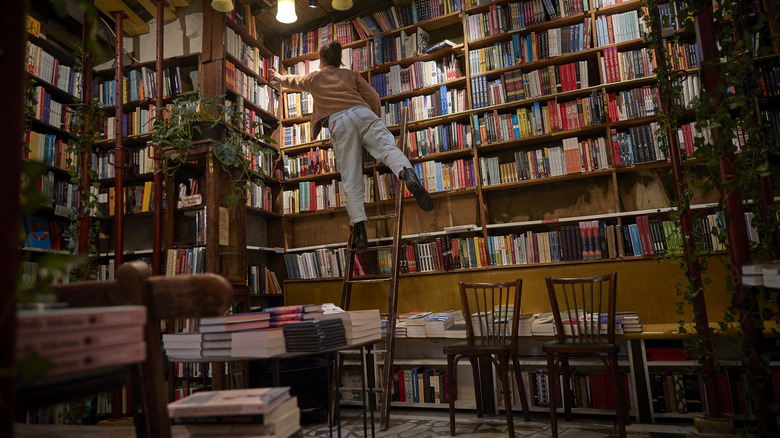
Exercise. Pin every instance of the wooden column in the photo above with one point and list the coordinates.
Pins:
(119, 149)
(157, 215)
(714, 401)
(86, 156)
(739, 251)
(12, 56)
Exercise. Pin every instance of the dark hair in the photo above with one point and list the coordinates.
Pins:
(330, 54)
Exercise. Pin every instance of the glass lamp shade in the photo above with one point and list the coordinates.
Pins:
(222, 5)
(285, 11)
(341, 5)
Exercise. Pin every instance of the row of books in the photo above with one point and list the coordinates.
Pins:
(443, 176)
(618, 28)
(259, 196)
(263, 281)
(361, 58)
(689, 133)
(320, 263)
(676, 392)
(46, 67)
(633, 103)
(315, 161)
(406, 45)
(185, 261)
(590, 390)
(140, 84)
(261, 161)
(41, 233)
(769, 79)
(59, 192)
(420, 385)
(249, 55)
(682, 55)
(572, 157)
(501, 18)
(541, 119)
(299, 104)
(516, 86)
(442, 102)
(138, 199)
(138, 162)
(48, 149)
(418, 75)
(639, 145)
(30, 276)
(50, 111)
(625, 66)
(439, 138)
(310, 196)
(300, 133)
(135, 122)
(259, 93)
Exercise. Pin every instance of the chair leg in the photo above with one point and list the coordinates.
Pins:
(620, 402)
(552, 377)
(503, 374)
(452, 384)
(521, 389)
(568, 400)
(477, 386)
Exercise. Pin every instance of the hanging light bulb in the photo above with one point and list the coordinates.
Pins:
(285, 11)
(222, 5)
(341, 5)
(313, 4)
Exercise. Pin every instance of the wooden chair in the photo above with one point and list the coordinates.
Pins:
(165, 297)
(491, 336)
(578, 306)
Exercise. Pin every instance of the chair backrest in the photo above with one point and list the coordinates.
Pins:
(586, 305)
(491, 310)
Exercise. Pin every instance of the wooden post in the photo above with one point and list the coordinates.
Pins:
(12, 55)
(157, 216)
(119, 149)
(86, 156)
(739, 251)
(714, 401)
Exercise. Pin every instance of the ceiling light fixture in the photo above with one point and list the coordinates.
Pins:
(222, 5)
(341, 5)
(313, 4)
(285, 11)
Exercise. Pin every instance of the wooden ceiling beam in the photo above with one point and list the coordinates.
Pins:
(132, 24)
(168, 12)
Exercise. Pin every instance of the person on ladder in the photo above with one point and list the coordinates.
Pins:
(349, 106)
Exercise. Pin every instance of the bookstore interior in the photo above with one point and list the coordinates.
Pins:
(603, 242)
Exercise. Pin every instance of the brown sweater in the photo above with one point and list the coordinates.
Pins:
(333, 89)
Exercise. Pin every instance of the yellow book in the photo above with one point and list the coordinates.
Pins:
(478, 250)
(111, 200)
(147, 196)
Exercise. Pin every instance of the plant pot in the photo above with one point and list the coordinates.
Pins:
(210, 131)
(721, 426)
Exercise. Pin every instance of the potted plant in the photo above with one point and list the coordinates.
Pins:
(190, 119)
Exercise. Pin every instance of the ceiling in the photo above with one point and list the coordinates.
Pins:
(308, 18)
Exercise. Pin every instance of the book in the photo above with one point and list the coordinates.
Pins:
(270, 417)
(37, 229)
(288, 421)
(94, 358)
(229, 402)
(238, 317)
(61, 342)
(234, 326)
(31, 322)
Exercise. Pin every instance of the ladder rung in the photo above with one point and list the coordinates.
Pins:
(380, 218)
(369, 281)
(371, 248)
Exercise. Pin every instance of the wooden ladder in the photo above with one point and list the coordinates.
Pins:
(391, 280)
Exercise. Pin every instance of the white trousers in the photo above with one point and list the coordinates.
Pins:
(351, 130)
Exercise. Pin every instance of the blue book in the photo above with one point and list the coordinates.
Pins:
(472, 252)
(37, 232)
(439, 183)
(636, 244)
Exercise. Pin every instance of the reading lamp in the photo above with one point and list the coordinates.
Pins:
(285, 11)
(341, 5)
(222, 5)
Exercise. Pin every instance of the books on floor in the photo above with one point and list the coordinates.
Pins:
(81, 339)
(266, 412)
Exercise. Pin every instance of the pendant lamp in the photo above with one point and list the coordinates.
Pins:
(285, 11)
(222, 5)
(341, 5)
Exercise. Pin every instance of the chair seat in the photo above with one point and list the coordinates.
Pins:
(480, 346)
(573, 345)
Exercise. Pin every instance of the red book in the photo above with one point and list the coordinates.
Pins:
(439, 253)
(410, 259)
(483, 253)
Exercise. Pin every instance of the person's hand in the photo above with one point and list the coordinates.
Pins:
(275, 76)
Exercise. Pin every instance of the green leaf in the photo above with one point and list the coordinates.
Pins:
(224, 153)
(231, 200)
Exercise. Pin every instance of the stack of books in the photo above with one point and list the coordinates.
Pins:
(437, 323)
(543, 325)
(258, 343)
(415, 324)
(215, 335)
(360, 326)
(285, 314)
(85, 338)
(761, 274)
(266, 412)
(314, 335)
(458, 328)
(630, 322)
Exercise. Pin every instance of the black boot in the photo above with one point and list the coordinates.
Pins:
(417, 189)
(359, 235)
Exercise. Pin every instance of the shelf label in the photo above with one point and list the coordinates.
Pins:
(278, 250)
(550, 221)
(33, 26)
